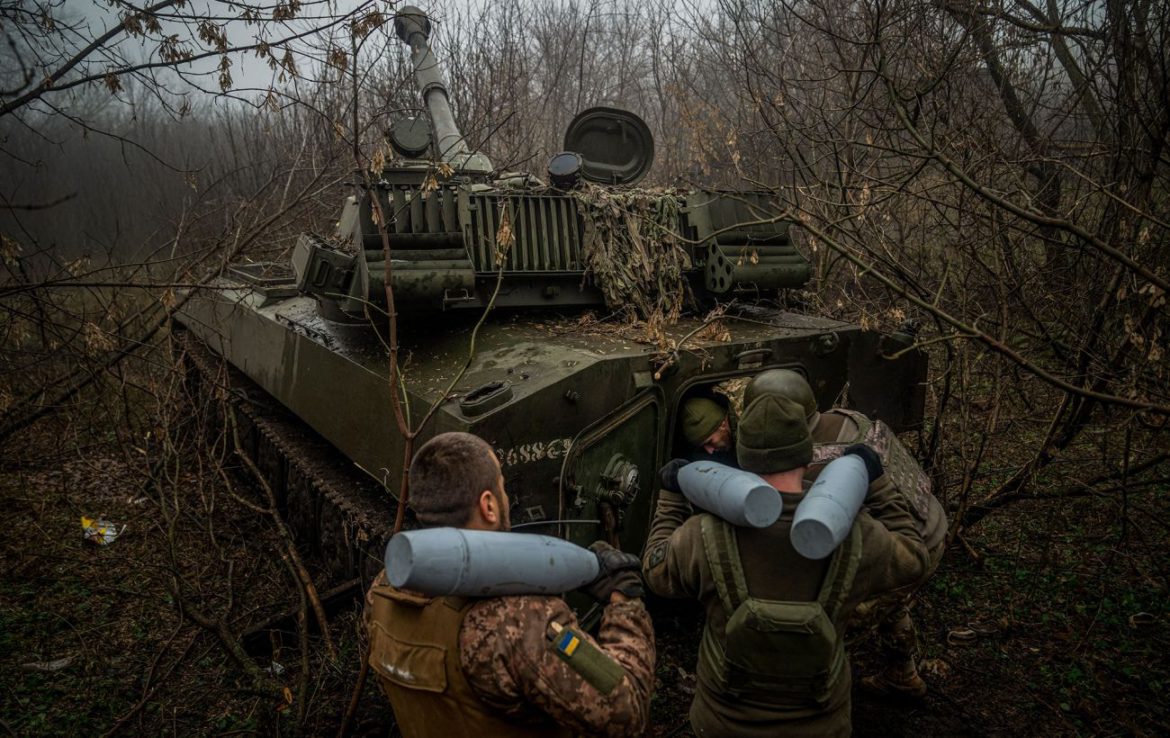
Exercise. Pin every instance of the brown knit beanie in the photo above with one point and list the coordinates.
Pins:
(700, 418)
(773, 436)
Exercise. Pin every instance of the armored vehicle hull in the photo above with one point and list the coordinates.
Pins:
(580, 420)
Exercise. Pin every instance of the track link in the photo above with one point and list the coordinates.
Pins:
(339, 515)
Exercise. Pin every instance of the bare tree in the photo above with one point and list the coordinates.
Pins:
(993, 167)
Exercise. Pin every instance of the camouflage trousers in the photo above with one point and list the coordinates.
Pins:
(887, 617)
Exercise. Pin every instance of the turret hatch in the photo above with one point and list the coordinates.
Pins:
(616, 146)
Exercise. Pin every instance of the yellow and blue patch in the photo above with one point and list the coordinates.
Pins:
(568, 643)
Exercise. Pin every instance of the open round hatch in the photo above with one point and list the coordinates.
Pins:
(615, 145)
(410, 137)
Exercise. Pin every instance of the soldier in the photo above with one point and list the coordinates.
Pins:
(708, 428)
(459, 667)
(771, 660)
(832, 432)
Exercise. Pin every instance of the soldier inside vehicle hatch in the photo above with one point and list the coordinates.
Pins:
(516, 665)
(707, 427)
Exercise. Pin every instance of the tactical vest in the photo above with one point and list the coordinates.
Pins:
(775, 653)
(904, 472)
(414, 649)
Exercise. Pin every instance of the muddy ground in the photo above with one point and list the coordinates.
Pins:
(1050, 618)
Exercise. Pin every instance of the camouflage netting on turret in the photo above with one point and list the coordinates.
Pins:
(634, 252)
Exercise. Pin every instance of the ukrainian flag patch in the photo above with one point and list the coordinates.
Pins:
(568, 643)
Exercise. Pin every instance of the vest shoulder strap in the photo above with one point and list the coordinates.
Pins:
(863, 422)
(459, 604)
(722, 550)
(842, 571)
(826, 451)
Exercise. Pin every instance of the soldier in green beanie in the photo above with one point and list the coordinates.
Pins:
(708, 429)
(772, 660)
(832, 432)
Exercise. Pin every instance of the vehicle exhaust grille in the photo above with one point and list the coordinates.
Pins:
(413, 211)
(546, 229)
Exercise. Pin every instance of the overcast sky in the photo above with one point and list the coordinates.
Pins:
(79, 21)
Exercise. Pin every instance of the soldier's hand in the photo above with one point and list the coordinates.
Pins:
(668, 474)
(617, 572)
(873, 462)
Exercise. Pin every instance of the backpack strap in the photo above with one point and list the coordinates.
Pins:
(459, 603)
(842, 571)
(826, 451)
(722, 549)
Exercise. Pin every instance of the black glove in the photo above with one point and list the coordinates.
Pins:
(617, 572)
(873, 462)
(668, 474)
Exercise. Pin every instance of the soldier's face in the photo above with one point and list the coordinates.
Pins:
(720, 440)
(502, 499)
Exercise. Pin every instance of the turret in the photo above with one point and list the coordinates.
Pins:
(435, 236)
(414, 28)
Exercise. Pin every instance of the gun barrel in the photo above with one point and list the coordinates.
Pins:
(414, 28)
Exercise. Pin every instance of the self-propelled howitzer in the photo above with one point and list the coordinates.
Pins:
(444, 229)
(580, 420)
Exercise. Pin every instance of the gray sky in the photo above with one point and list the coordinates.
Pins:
(321, 22)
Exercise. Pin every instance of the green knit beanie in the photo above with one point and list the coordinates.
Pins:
(700, 418)
(773, 436)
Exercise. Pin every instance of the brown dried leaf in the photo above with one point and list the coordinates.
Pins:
(286, 11)
(935, 668)
(505, 238)
(78, 266)
(289, 63)
(225, 75)
(96, 340)
(338, 58)
(9, 250)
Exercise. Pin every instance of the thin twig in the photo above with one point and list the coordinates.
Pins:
(287, 536)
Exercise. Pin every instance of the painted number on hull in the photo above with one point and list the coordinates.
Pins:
(537, 451)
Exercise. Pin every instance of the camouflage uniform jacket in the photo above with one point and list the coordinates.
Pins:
(509, 662)
(675, 564)
(836, 429)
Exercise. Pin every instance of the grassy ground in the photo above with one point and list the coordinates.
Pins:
(1053, 619)
(92, 639)
(1060, 627)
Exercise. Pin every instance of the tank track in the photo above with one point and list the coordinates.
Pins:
(341, 518)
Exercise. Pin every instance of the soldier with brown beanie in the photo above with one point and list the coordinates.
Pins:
(771, 659)
(457, 667)
(832, 432)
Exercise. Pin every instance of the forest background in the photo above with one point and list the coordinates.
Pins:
(994, 170)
